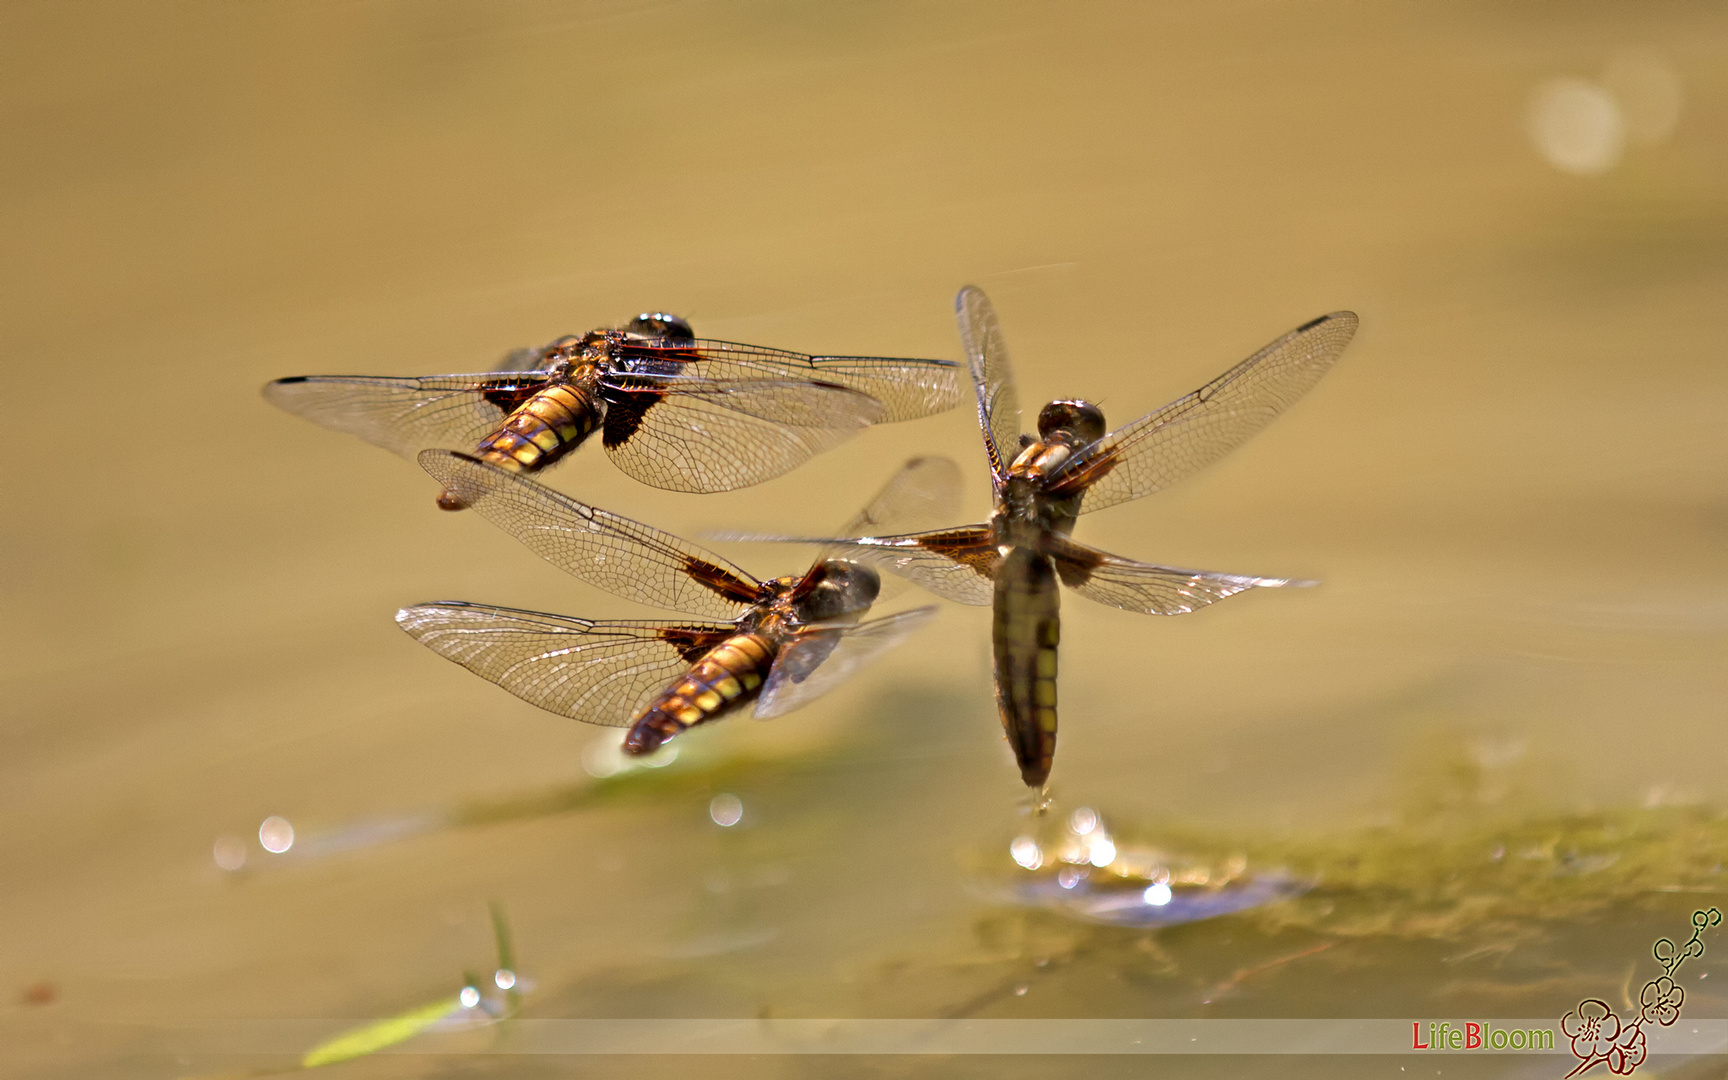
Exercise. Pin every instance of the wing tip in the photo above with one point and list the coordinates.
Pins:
(1343, 316)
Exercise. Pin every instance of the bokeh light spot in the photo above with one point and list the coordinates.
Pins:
(230, 852)
(727, 810)
(1577, 126)
(276, 834)
(1024, 850)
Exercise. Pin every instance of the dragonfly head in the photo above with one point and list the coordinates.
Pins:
(835, 587)
(1074, 422)
(658, 324)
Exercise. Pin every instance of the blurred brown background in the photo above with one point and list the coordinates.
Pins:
(1514, 486)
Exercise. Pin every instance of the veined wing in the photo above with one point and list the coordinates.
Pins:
(922, 495)
(609, 552)
(1191, 432)
(956, 564)
(596, 672)
(1145, 587)
(819, 658)
(992, 379)
(407, 415)
(689, 433)
(906, 388)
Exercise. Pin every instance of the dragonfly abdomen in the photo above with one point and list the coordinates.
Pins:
(728, 676)
(545, 428)
(1027, 629)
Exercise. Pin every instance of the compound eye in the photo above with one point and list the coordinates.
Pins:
(658, 324)
(1081, 421)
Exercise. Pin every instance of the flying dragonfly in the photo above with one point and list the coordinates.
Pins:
(1014, 561)
(673, 410)
(778, 643)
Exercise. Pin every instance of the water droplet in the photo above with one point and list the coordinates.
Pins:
(505, 978)
(1158, 894)
(469, 997)
(276, 834)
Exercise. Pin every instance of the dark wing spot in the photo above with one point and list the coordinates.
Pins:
(692, 642)
(626, 405)
(964, 547)
(510, 396)
(1075, 565)
(1311, 324)
(717, 580)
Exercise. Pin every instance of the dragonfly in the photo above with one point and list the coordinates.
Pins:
(1041, 484)
(673, 410)
(773, 644)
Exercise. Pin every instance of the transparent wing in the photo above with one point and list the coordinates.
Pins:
(922, 495)
(694, 434)
(819, 658)
(407, 415)
(1145, 587)
(906, 388)
(623, 557)
(992, 379)
(956, 564)
(1191, 432)
(596, 672)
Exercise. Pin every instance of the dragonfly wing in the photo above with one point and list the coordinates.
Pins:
(905, 388)
(596, 672)
(610, 552)
(819, 658)
(1145, 587)
(992, 379)
(1191, 432)
(686, 433)
(956, 564)
(922, 495)
(407, 415)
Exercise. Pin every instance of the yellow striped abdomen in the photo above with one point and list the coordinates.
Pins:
(729, 675)
(1025, 633)
(543, 429)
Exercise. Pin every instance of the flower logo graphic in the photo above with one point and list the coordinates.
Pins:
(1661, 1000)
(1599, 1038)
